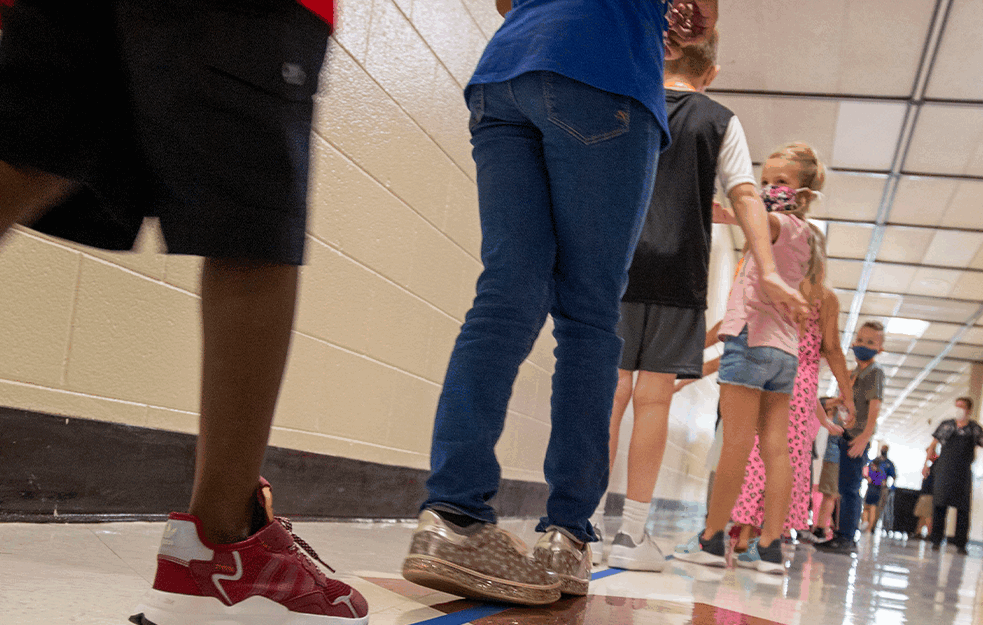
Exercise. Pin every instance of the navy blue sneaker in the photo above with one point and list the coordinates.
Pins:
(838, 544)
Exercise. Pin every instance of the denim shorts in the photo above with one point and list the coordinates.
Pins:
(765, 368)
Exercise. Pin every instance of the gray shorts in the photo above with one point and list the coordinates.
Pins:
(662, 339)
(196, 112)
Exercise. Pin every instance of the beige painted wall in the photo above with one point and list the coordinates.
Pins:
(392, 256)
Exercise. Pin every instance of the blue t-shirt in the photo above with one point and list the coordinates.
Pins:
(614, 45)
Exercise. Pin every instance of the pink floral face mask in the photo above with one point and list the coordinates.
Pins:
(779, 198)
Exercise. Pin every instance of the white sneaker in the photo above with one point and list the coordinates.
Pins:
(597, 549)
(644, 556)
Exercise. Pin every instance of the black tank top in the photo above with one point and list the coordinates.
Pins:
(672, 260)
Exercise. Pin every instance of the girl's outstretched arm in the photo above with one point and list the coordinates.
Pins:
(829, 315)
(753, 219)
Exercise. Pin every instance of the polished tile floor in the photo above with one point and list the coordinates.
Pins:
(94, 574)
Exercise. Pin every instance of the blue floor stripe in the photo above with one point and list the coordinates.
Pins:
(605, 573)
(491, 609)
(467, 615)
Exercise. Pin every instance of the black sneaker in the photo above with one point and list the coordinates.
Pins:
(838, 544)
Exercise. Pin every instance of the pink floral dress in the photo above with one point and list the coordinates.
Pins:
(802, 429)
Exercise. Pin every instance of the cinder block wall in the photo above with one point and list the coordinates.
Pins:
(392, 256)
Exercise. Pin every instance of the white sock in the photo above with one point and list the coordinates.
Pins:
(635, 516)
(597, 518)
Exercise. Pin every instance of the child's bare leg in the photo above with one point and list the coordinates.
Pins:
(744, 538)
(622, 395)
(25, 193)
(826, 511)
(651, 400)
(739, 408)
(773, 436)
(247, 314)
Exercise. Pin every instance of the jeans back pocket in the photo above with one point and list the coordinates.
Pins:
(589, 114)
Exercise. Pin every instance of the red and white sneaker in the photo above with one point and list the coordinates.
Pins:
(263, 580)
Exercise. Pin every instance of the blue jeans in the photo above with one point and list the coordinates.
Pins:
(851, 475)
(565, 175)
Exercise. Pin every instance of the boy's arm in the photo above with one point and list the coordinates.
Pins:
(860, 443)
(504, 6)
(824, 420)
(709, 368)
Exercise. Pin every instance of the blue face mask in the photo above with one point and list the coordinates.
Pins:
(862, 353)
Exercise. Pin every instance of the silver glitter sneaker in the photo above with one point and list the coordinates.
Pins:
(481, 561)
(561, 554)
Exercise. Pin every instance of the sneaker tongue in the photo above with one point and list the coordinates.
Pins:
(264, 496)
(262, 508)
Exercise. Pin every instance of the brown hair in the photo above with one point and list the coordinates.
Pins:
(697, 59)
(969, 402)
(876, 326)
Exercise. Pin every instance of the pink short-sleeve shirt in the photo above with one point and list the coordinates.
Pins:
(767, 325)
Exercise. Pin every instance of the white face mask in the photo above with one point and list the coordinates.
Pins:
(957, 413)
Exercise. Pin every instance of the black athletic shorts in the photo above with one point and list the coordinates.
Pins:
(662, 339)
(194, 111)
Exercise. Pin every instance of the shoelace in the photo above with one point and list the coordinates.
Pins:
(289, 526)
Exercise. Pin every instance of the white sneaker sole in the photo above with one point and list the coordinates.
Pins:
(165, 608)
(702, 557)
(622, 559)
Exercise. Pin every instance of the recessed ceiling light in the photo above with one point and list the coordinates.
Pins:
(934, 283)
(908, 327)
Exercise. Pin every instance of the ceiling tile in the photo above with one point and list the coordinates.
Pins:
(973, 336)
(844, 274)
(903, 244)
(897, 344)
(958, 69)
(939, 310)
(854, 46)
(952, 365)
(891, 278)
(921, 200)
(845, 296)
(850, 196)
(937, 282)
(953, 248)
(964, 206)
(966, 352)
(916, 361)
(941, 331)
(948, 139)
(848, 240)
(928, 348)
(770, 122)
(969, 286)
(867, 134)
(891, 359)
(881, 304)
(978, 261)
